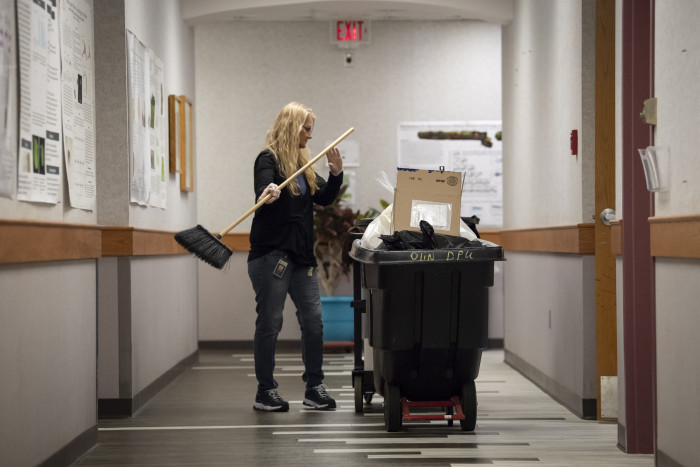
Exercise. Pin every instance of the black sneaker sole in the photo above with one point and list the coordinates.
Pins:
(317, 406)
(265, 408)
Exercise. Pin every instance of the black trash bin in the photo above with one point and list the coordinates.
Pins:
(428, 312)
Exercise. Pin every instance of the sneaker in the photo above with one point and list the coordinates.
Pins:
(270, 401)
(318, 398)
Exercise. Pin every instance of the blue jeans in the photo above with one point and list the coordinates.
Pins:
(270, 294)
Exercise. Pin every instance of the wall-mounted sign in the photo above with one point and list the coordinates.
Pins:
(350, 33)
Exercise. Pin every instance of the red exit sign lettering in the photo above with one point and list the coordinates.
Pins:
(349, 32)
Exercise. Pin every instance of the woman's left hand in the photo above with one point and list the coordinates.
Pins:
(335, 162)
(273, 191)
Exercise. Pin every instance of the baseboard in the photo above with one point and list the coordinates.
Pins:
(495, 343)
(125, 408)
(664, 460)
(338, 346)
(247, 346)
(294, 345)
(621, 437)
(226, 345)
(582, 408)
(114, 408)
(73, 451)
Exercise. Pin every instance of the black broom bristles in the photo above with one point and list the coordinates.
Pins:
(205, 246)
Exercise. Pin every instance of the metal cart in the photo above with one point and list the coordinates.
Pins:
(362, 377)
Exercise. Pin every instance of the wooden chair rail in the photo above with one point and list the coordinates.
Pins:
(574, 239)
(31, 241)
(132, 241)
(675, 237)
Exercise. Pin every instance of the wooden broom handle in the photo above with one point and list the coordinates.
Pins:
(287, 181)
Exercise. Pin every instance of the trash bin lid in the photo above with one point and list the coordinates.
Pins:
(486, 252)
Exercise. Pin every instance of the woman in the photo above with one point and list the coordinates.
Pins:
(281, 259)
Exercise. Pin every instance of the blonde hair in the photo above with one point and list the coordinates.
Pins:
(283, 140)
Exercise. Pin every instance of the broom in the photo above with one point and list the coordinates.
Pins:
(209, 248)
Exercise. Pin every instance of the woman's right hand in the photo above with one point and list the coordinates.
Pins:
(273, 191)
(335, 161)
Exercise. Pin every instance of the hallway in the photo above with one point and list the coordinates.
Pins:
(205, 417)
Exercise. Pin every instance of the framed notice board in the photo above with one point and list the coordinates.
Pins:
(471, 147)
(181, 139)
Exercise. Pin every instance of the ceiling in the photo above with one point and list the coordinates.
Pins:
(196, 12)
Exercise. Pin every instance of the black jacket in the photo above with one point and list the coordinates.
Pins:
(287, 224)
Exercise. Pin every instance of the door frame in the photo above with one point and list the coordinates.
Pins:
(639, 301)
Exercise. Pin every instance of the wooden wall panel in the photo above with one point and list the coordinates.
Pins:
(675, 237)
(491, 236)
(29, 241)
(237, 241)
(131, 241)
(575, 239)
(671, 237)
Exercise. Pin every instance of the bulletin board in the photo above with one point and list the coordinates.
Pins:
(148, 122)
(471, 147)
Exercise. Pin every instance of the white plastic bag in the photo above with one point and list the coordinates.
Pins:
(465, 231)
(383, 180)
(381, 225)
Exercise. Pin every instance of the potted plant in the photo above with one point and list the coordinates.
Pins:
(331, 224)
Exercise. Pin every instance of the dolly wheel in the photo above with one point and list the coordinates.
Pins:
(357, 382)
(392, 408)
(368, 397)
(468, 399)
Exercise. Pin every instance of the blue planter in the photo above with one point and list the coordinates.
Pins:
(338, 319)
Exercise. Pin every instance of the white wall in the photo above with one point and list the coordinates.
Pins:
(48, 337)
(677, 65)
(164, 289)
(158, 25)
(47, 358)
(542, 103)
(547, 71)
(621, 395)
(154, 296)
(246, 72)
(164, 316)
(47, 344)
(550, 321)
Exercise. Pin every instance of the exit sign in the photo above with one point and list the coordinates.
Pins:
(350, 33)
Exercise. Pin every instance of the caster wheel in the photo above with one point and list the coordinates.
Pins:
(392, 408)
(357, 383)
(468, 399)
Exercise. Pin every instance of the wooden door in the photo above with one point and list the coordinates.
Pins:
(605, 280)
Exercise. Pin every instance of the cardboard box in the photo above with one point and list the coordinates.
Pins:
(431, 195)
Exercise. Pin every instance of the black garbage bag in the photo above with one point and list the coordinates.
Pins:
(426, 239)
(471, 223)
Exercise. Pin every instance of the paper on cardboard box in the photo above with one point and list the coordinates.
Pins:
(431, 195)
